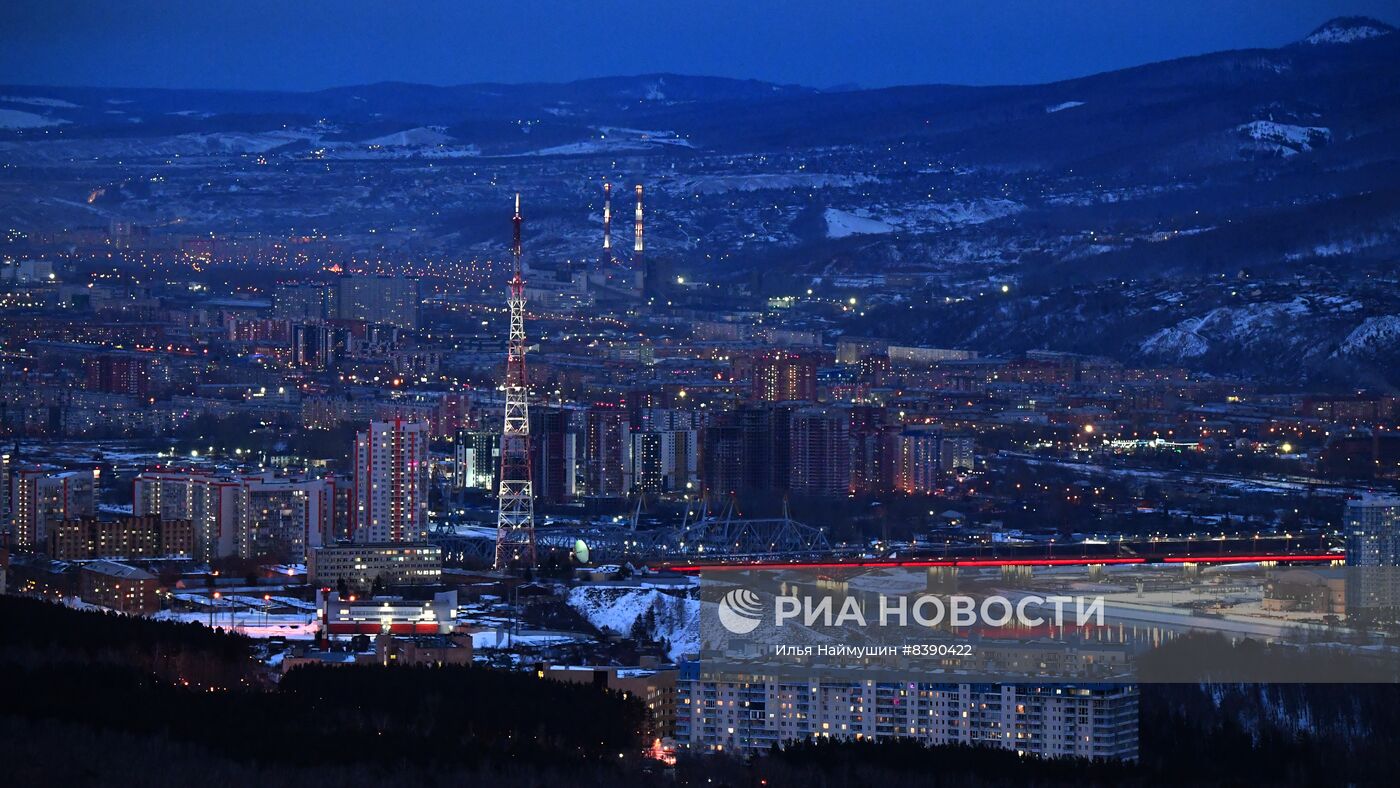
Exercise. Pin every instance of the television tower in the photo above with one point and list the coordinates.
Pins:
(515, 520)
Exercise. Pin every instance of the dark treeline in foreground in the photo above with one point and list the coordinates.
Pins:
(98, 699)
(1271, 734)
(38, 633)
(102, 698)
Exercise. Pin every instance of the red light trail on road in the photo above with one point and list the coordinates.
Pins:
(983, 563)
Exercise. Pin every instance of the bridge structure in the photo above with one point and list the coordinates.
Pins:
(1312, 549)
(725, 536)
(728, 541)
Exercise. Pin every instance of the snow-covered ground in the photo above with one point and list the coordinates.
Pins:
(422, 135)
(1373, 335)
(502, 638)
(38, 101)
(617, 608)
(1286, 138)
(220, 143)
(254, 624)
(19, 119)
(719, 184)
(841, 224)
(1342, 32)
(937, 216)
(1194, 336)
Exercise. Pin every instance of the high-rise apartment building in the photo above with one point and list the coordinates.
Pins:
(210, 502)
(478, 459)
(748, 449)
(297, 301)
(1371, 525)
(553, 455)
(378, 299)
(391, 482)
(6, 491)
(918, 458)
(47, 497)
(282, 518)
(662, 461)
(260, 516)
(957, 453)
(120, 372)
(820, 453)
(606, 439)
(872, 450)
(781, 376)
(312, 346)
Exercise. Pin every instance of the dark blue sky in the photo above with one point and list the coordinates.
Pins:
(307, 44)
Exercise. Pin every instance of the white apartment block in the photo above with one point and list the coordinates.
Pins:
(247, 516)
(748, 714)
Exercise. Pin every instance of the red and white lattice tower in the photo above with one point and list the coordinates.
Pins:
(515, 521)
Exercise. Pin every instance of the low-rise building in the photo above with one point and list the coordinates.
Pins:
(145, 536)
(387, 615)
(433, 650)
(359, 565)
(119, 587)
(653, 685)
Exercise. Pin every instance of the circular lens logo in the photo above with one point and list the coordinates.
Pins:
(740, 611)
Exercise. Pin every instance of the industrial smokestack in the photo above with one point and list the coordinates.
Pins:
(637, 248)
(607, 217)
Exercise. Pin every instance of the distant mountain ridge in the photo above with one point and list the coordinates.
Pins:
(1346, 29)
(682, 100)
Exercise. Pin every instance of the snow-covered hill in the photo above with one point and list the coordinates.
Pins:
(1241, 326)
(842, 224)
(670, 617)
(1345, 30)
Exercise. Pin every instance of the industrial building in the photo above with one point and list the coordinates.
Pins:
(354, 615)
